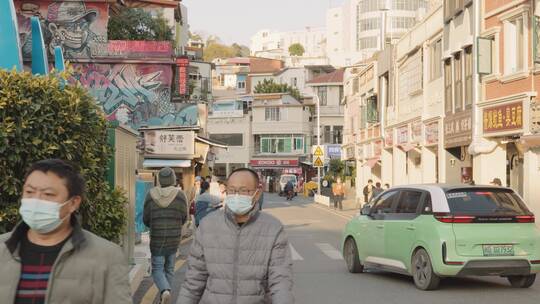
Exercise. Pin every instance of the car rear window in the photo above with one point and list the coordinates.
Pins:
(487, 201)
(286, 179)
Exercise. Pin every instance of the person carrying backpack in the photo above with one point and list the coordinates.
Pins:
(165, 211)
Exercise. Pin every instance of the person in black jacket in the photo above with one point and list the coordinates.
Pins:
(165, 211)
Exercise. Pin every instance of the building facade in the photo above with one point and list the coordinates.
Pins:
(507, 113)
(282, 132)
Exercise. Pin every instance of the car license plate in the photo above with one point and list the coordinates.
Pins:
(498, 250)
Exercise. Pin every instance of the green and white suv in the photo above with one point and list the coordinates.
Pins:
(436, 231)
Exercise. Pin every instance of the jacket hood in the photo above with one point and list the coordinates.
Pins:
(164, 196)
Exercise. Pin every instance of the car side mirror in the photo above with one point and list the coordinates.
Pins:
(366, 210)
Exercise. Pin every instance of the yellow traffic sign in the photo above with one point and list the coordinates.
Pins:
(318, 162)
(318, 151)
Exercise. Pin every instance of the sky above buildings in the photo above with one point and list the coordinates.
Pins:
(238, 20)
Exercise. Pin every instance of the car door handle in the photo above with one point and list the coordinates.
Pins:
(412, 228)
(380, 226)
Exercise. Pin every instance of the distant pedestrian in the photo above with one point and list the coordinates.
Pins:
(386, 186)
(239, 254)
(165, 211)
(205, 204)
(368, 191)
(377, 190)
(48, 256)
(496, 182)
(338, 190)
(289, 190)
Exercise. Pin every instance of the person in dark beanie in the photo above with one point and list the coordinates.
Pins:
(49, 257)
(165, 211)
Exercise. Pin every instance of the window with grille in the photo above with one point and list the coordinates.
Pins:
(468, 76)
(458, 81)
(272, 114)
(448, 85)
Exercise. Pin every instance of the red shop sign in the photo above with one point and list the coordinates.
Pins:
(183, 64)
(274, 162)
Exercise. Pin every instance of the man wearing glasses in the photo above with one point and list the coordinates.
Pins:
(239, 255)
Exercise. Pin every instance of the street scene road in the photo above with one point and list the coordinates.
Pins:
(321, 276)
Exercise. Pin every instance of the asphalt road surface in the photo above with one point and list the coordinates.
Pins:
(320, 274)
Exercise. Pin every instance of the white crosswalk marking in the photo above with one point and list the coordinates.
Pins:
(295, 255)
(330, 251)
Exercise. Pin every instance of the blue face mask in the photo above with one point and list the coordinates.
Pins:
(41, 215)
(239, 204)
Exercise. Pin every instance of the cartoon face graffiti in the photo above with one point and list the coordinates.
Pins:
(69, 25)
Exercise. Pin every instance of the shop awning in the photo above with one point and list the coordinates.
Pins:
(531, 141)
(173, 163)
(407, 147)
(371, 162)
(211, 142)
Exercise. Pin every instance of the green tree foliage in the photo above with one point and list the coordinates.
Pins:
(40, 120)
(296, 49)
(268, 86)
(240, 50)
(336, 168)
(138, 24)
(215, 49)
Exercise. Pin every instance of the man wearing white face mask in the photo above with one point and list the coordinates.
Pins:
(49, 258)
(240, 254)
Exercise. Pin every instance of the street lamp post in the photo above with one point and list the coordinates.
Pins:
(318, 142)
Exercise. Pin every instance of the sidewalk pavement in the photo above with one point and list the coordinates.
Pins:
(350, 206)
(141, 267)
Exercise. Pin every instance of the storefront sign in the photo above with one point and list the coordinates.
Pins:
(227, 114)
(388, 138)
(295, 170)
(274, 162)
(508, 117)
(360, 152)
(333, 151)
(377, 147)
(163, 142)
(183, 64)
(458, 129)
(403, 135)
(432, 133)
(416, 131)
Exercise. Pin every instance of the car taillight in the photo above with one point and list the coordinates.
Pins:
(525, 218)
(453, 219)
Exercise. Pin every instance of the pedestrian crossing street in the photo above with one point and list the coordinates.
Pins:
(327, 250)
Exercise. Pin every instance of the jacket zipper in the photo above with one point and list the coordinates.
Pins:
(53, 273)
(235, 270)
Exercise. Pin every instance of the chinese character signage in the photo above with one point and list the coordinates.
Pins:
(377, 147)
(432, 133)
(274, 162)
(388, 138)
(333, 151)
(183, 64)
(416, 131)
(164, 142)
(508, 117)
(403, 135)
(458, 129)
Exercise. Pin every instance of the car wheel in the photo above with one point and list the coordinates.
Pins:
(522, 281)
(422, 271)
(350, 253)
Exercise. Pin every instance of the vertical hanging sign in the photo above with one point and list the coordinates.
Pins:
(183, 64)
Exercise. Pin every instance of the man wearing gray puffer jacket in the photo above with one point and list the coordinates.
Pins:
(239, 255)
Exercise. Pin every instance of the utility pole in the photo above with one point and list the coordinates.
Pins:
(318, 141)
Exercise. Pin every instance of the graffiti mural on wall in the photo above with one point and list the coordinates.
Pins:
(79, 28)
(136, 94)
